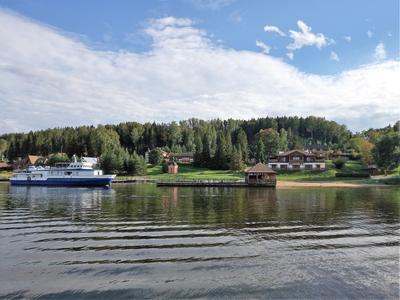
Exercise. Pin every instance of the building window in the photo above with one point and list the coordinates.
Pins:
(296, 158)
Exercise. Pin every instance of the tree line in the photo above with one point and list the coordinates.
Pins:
(220, 144)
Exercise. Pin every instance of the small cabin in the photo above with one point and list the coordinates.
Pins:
(260, 175)
(172, 167)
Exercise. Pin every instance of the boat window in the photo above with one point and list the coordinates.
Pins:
(68, 173)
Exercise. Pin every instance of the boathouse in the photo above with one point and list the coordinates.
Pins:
(172, 167)
(260, 175)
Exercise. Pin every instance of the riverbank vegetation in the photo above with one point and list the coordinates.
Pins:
(219, 145)
(190, 172)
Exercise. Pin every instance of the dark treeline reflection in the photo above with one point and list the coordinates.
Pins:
(214, 206)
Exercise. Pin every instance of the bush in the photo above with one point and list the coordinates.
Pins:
(164, 168)
(357, 175)
(339, 163)
(390, 180)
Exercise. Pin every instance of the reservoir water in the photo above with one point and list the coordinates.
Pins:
(140, 241)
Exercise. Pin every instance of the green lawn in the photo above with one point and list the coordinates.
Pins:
(191, 172)
(327, 175)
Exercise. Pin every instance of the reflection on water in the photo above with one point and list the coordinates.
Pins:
(142, 241)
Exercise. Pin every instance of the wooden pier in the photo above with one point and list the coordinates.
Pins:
(214, 183)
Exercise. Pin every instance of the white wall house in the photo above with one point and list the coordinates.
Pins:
(296, 160)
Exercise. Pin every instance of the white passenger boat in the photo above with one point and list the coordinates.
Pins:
(63, 174)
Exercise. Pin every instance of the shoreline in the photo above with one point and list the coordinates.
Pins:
(279, 183)
(329, 184)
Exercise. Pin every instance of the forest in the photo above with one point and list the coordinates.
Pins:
(218, 144)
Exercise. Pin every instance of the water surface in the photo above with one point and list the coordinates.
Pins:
(140, 241)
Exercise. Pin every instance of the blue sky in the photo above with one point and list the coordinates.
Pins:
(102, 61)
(236, 24)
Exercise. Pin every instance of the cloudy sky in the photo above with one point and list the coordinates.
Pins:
(68, 63)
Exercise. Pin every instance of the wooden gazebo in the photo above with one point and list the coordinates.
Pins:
(260, 175)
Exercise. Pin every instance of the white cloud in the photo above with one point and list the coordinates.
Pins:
(264, 47)
(370, 33)
(305, 37)
(334, 56)
(380, 52)
(270, 28)
(347, 38)
(290, 55)
(48, 79)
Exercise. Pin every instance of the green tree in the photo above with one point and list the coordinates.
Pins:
(363, 148)
(57, 158)
(3, 147)
(155, 156)
(283, 140)
(242, 144)
(203, 158)
(236, 161)
(387, 151)
(113, 160)
(270, 138)
(135, 165)
(222, 152)
(260, 151)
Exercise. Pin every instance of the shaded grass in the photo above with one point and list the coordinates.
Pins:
(191, 172)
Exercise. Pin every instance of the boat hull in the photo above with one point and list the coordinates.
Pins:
(98, 182)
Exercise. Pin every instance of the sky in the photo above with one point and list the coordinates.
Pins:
(70, 63)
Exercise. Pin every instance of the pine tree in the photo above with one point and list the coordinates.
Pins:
(236, 162)
(242, 144)
(260, 151)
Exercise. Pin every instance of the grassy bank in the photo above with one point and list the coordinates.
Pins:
(191, 172)
(327, 175)
(188, 172)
